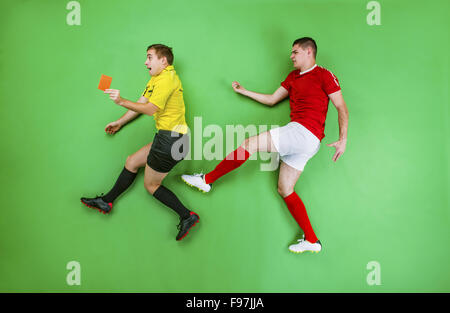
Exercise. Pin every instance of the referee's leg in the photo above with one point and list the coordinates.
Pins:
(153, 184)
(132, 165)
(126, 177)
(152, 179)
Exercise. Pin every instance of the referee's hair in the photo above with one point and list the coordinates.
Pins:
(306, 42)
(162, 51)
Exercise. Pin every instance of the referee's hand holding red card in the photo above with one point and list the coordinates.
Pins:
(114, 95)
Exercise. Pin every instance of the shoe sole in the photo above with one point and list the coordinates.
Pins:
(189, 229)
(299, 252)
(193, 185)
(95, 208)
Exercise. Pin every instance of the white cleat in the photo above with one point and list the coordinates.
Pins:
(304, 245)
(197, 181)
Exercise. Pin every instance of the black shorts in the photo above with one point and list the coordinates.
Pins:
(168, 148)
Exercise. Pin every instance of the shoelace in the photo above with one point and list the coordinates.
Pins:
(303, 240)
(200, 175)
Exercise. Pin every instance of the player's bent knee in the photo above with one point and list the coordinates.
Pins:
(284, 191)
(250, 144)
(132, 164)
(151, 187)
(245, 144)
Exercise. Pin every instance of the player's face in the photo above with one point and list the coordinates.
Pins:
(298, 56)
(154, 64)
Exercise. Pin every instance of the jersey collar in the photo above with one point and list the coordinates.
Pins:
(309, 70)
(169, 68)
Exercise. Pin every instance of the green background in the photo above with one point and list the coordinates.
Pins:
(385, 200)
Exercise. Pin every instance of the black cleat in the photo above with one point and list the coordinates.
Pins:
(186, 224)
(97, 203)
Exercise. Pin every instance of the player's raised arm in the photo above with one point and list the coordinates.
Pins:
(267, 99)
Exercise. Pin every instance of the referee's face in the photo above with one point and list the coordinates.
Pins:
(154, 64)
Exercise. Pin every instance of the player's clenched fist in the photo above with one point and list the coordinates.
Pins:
(237, 87)
(113, 127)
(114, 95)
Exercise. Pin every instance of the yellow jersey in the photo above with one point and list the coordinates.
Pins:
(166, 92)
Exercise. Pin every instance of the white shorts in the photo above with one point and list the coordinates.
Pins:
(295, 144)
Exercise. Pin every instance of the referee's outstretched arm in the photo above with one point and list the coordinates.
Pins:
(147, 108)
(130, 114)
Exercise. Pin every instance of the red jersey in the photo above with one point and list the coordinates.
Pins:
(308, 97)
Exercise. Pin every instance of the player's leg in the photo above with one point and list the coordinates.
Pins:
(286, 182)
(160, 161)
(288, 177)
(132, 164)
(259, 143)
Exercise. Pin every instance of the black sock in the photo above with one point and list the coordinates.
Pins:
(170, 199)
(124, 181)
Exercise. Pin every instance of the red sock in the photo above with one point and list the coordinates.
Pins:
(298, 211)
(232, 161)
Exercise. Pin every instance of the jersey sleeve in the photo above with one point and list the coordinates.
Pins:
(330, 83)
(161, 92)
(287, 82)
(148, 90)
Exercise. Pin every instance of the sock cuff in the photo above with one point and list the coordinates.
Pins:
(129, 172)
(241, 149)
(292, 196)
(158, 191)
(240, 154)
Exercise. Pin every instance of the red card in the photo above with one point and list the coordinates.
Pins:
(105, 82)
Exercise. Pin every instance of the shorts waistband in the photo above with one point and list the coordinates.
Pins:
(170, 133)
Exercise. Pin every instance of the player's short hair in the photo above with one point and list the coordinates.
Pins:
(306, 42)
(162, 51)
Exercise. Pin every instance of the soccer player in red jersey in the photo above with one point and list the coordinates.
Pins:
(309, 87)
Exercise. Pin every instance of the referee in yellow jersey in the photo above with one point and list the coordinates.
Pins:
(162, 99)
